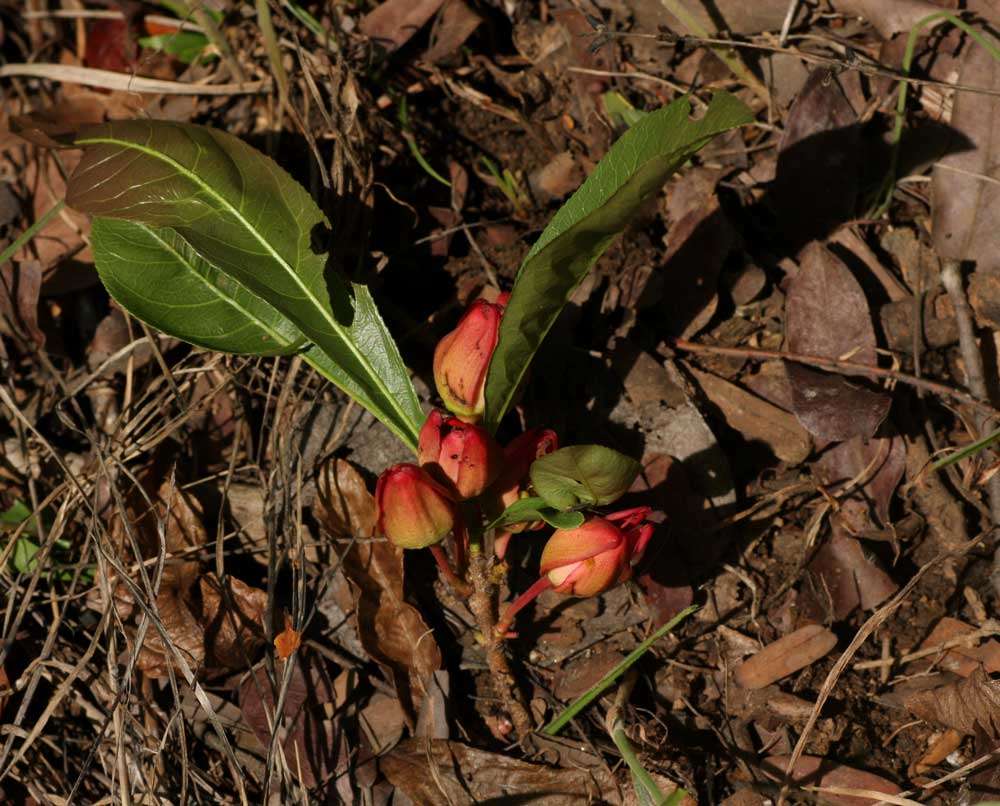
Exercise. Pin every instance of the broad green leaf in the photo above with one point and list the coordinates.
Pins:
(525, 510)
(23, 558)
(631, 173)
(15, 515)
(185, 46)
(184, 295)
(583, 475)
(248, 218)
(561, 520)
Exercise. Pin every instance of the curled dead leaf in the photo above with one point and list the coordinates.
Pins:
(970, 706)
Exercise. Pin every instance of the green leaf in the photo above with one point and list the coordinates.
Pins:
(15, 515)
(618, 109)
(631, 173)
(251, 221)
(561, 520)
(583, 475)
(525, 510)
(184, 295)
(24, 555)
(185, 46)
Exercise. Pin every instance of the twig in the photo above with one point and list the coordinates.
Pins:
(732, 60)
(990, 628)
(109, 80)
(837, 365)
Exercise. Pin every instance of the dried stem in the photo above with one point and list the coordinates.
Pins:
(482, 605)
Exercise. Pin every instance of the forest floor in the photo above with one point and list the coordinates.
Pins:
(795, 338)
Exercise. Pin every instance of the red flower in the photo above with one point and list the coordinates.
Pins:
(462, 456)
(463, 356)
(413, 510)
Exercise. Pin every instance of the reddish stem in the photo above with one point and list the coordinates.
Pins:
(519, 603)
(461, 587)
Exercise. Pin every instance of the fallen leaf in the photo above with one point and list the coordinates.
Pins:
(464, 775)
(785, 656)
(383, 722)
(945, 744)
(455, 24)
(962, 660)
(822, 772)
(737, 16)
(20, 288)
(577, 676)
(110, 46)
(308, 737)
(889, 16)
(700, 238)
(826, 314)
(343, 504)
(391, 630)
(818, 161)
(970, 706)
(392, 23)
(875, 467)
(964, 187)
(756, 419)
(843, 578)
(233, 619)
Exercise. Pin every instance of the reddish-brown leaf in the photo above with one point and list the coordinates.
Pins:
(843, 578)
(964, 189)
(971, 705)
(875, 466)
(826, 314)
(392, 23)
(309, 737)
(390, 629)
(818, 160)
(465, 775)
(889, 16)
(821, 772)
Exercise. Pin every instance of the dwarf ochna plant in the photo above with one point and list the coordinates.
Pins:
(204, 238)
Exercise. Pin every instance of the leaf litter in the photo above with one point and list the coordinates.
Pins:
(793, 502)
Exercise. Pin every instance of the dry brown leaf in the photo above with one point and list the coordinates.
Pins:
(964, 187)
(843, 578)
(818, 161)
(756, 419)
(876, 467)
(308, 737)
(963, 660)
(889, 16)
(209, 630)
(392, 631)
(464, 775)
(575, 677)
(827, 314)
(699, 240)
(20, 289)
(343, 504)
(392, 23)
(451, 29)
(233, 620)
(970, 706)
(821, 772)
(785, 656)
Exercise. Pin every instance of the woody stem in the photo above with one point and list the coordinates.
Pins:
(461, 544)
(519, 603)
(460, 587)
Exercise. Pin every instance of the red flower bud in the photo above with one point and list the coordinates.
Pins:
(413, 510)
(463, 356)
(462, 456)
(597, 555)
